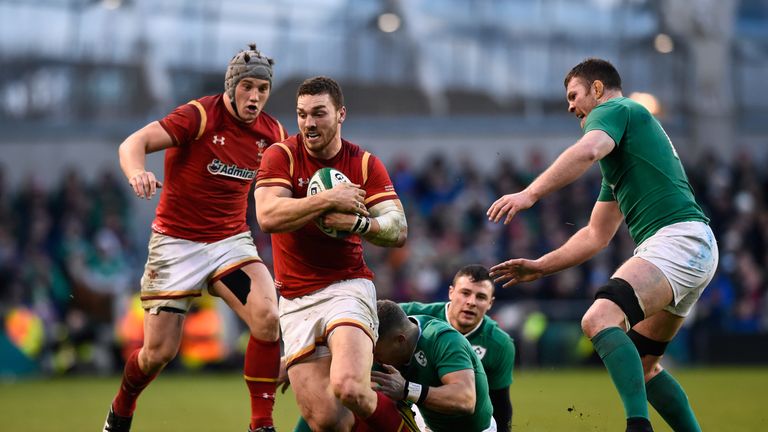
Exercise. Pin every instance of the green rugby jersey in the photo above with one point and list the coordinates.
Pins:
(643, 173)
(493, 346)
(441, 350)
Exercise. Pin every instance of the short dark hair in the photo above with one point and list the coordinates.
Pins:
(322, 85)
(392, 318)
(475, 273)
(594, 69)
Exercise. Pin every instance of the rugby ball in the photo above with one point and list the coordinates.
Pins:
(322, 180)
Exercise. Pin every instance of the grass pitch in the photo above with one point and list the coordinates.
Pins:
(725, 399)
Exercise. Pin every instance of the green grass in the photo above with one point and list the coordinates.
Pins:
(544, 400)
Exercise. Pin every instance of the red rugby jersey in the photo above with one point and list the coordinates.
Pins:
(209, 170)
(307, 260)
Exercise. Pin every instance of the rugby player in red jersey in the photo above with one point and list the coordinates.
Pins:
(328, 306)
(200, 238)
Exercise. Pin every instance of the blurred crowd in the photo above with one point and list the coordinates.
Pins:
(70, 261)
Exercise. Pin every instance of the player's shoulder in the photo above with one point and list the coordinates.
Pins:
(266, 120)
(436, 310)
(289, 146)
(356, 151)
(434, 328)
(208, 103)
(495, 333)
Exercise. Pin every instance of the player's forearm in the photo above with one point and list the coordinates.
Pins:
(579, 248)
(569, 166)
(502, 408)
(457, 398)
(389, 229)
(285, 214)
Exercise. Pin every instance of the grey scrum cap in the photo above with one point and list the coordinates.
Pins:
(247, 63)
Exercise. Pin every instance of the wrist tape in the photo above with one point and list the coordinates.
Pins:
(415, 393)
(362, 225)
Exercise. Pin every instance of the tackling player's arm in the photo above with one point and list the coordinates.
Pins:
(455, 396)
(278, 211)
(132, 153)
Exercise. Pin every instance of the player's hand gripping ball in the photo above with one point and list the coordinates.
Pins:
(322, 180)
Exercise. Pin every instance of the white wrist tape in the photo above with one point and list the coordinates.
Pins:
(414, 392)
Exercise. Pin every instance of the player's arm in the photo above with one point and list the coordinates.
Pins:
(388, 225)
(586, 243)
(569, 166)
(456, 395)
(132, 153)
(502, 408)
(498, 369)
(278, 211)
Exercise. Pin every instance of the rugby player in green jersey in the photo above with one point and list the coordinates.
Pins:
(429, 363)
(641, 308)
(470, 297)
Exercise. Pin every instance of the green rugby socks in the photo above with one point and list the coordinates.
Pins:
(623, 363)
(669, 399)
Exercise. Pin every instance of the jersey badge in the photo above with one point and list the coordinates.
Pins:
(421, 358)
(480, 351)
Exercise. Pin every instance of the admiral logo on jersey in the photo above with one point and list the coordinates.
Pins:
(217, 167)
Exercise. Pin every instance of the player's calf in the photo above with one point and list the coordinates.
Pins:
(650, 352)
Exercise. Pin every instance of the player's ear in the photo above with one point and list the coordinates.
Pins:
(342, 114)
(599, 88)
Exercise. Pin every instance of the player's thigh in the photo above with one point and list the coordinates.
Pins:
(351, 356)
(649, 283)
(310, 383)
(250, 293)
(162, 334)
(687, 254)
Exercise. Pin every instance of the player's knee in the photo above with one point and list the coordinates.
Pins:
(320, 422)
(264, 323)
(621, 294)
(158, 356)
(600, 316)
(325, 415)
(348, 390)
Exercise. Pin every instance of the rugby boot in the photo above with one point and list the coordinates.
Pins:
(116, 423)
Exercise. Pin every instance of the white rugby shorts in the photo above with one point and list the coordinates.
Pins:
(687, 255)
(177, 270)
(307, 322)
